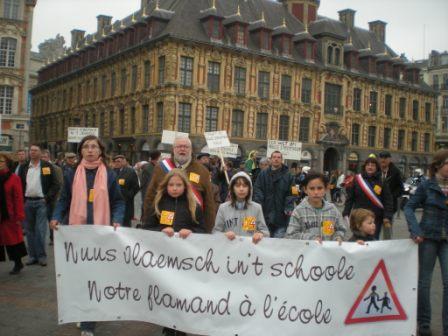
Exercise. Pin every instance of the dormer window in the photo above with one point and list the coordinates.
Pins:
(286, 45)
(334, 54)
(215, 29)
(265, 40)
(240, 34)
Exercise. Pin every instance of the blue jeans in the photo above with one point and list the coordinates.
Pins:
(278, 232)
(428, 251)
(36, 229)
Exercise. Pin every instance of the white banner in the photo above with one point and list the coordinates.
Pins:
(209, 285)
(227, 152)
(217, 139)
(168, 137)
(290, 150)
(76, 134)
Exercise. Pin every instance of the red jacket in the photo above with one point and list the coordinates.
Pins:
(11, 228)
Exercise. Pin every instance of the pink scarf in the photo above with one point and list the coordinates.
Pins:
(78, 207)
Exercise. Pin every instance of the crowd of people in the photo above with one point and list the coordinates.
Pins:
(188, 194)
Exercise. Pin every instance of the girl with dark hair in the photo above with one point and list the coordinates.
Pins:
(432, 236)
(368, 192)
(240, 215)
(11, 215)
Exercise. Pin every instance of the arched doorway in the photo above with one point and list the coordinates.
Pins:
(331, 157)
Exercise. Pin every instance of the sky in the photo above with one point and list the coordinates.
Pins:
(414, 27)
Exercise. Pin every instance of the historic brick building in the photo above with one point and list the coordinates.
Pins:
(259, 69)
(16, 21)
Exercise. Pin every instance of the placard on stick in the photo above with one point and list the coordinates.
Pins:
(217, 139)
(76, 134)
(290, 150)
(169, 136)
(227, 152)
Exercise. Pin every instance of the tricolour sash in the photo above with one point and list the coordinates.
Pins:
(365, 187)
(167, 166)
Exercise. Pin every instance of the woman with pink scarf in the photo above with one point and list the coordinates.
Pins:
(90, 195)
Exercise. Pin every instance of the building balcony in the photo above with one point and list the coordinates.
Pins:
(334, 110)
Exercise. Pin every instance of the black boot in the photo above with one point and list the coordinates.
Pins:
(17, 267)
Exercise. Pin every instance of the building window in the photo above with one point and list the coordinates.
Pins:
(8, 48)
(304, 130)
(414, 141)
(401, 137)
(186, 71)
(132, 121)
(216, 29)
(213, 76)
(330, 54)
(113, 83)
(147, 74)
(415, 110)
(122, 121)
(237, 123)
(95, 89)
(337, 56)
(111, 123)
(101, 124)
(211, 119)
(402, 111)
(124, 78)
(184, 117)
(263, 84)
(355, 134)
(388, 106)
(283, 128)
(159, 125)
(372, 136)
(145, 118)
(387, 133)
(262, 125)
(286, 88)
(161, 70)
(306, 90)
(428, 112)
(427, 142)
(6, 95)
(265, 40)
(373, 102)
(11, 9)
(240, 35)
(357, 99)
(134, 77)
(103, 86)
(333, 99)
(286, 46)
(240, 81)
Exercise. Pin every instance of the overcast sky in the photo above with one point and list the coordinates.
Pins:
(409, 22)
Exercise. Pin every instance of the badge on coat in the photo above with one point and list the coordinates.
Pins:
(91, 195)
(377, 189)
(167, 217)
(46, 171)
(249, 223)
(295, 190)
(194, 177)
(327, 228)
(121, 182)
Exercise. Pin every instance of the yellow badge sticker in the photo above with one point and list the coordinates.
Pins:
(46, 170)
(328, 228)
(194, 177)
(249, 224)
(167, 217)
(121, 182)
(377, 189)
(91, 195)
(294, 190)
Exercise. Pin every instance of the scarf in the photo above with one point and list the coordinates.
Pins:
(78, 206)
(4, 176)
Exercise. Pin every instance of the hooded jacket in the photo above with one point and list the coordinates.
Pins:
(309, 223)
(245, 221)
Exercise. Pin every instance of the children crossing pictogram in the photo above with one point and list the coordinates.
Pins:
(370, 306)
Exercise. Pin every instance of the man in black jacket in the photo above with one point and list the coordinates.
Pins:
(40, 188)
(128, 180)
(271, 190)
(391, 175)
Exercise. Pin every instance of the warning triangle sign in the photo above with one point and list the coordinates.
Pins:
(377, 301)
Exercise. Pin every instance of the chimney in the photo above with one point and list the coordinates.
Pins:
(379, 28)
(304, 10)
(103, 21)
(347, 16)
(77, 35)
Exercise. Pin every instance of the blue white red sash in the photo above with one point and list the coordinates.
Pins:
(167, 166)
(367, 189)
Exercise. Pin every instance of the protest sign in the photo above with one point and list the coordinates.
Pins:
(169, 136)
(290, 150)
(227, 152)
(76, 134)
(208, 285)
(217, 139)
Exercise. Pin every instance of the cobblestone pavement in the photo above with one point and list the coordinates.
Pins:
(28, 305)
